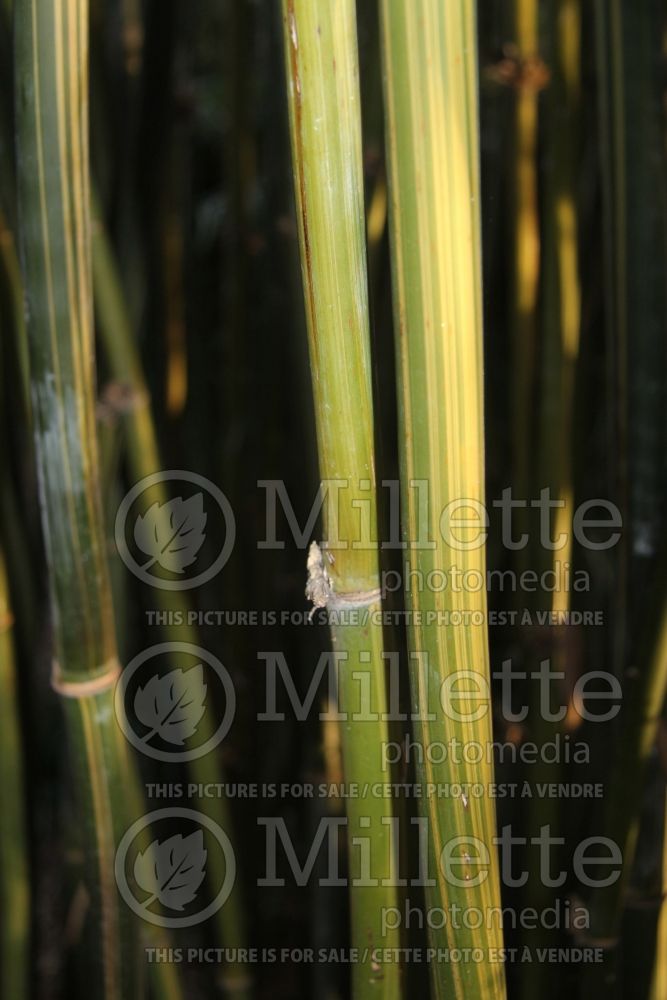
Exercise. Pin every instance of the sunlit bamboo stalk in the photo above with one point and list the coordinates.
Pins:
(51, 45)
(430, 76)
(323, 91)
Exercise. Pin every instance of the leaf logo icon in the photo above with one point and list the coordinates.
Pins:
(172, 872)
(172, 533)
(172, 705)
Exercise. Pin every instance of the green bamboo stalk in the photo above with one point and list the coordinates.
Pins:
(51, 44)
(165, 976)
(119, 348)
(430, 72)
(14, 878)
(323, 92)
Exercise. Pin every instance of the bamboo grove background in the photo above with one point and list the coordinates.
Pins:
(423, 239)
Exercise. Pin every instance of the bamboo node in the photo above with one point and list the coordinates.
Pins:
(320, 590)
(354, 599)
(87, 687)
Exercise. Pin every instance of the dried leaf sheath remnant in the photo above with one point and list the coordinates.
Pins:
(320, 589)
(322, 76)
